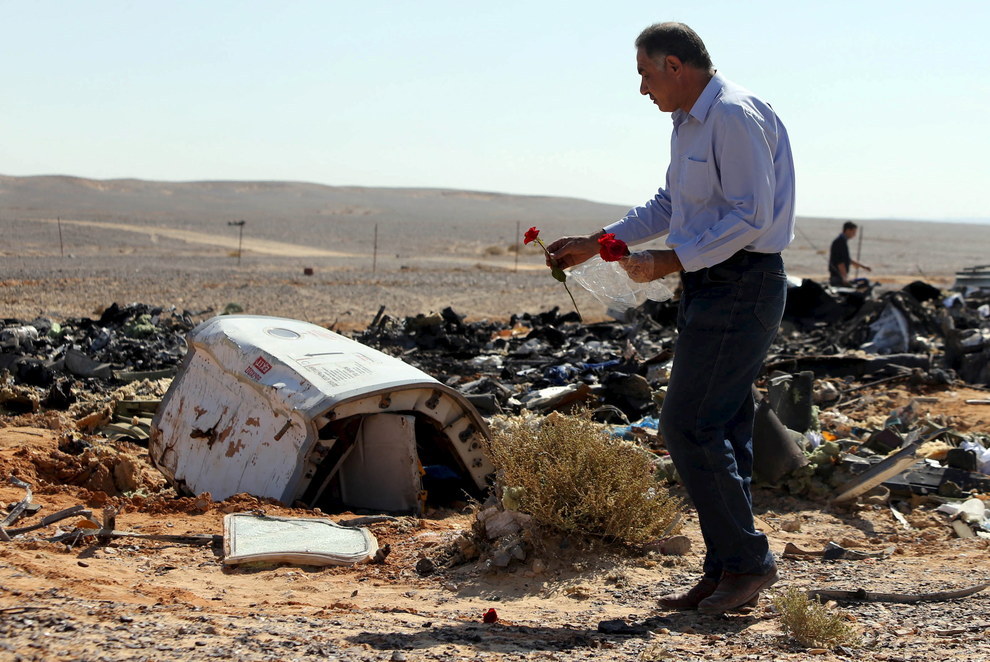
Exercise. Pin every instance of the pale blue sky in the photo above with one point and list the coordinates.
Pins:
(886, 102)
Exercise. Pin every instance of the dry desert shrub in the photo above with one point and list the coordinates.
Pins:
(657, 652)
(574, 477)
(812, 624)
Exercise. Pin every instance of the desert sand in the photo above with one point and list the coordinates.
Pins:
(142, 600)
(71, 247)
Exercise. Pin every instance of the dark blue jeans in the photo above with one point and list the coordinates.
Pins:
(727, 319)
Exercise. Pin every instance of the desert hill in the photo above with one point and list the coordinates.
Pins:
(428, 221)
(71, 245)
(296, 211)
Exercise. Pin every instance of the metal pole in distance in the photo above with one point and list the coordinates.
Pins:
(518, 248)
(859, 250)
(374, 251)
(801, 232)
(61, 246)
(240, 238)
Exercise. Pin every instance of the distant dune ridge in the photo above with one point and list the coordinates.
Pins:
(169, 232)
(300, 212)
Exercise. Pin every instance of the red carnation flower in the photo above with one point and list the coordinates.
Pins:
(533, 234)
(612, 249)
(490, 616)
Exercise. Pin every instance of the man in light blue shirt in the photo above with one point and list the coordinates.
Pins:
(727, 210)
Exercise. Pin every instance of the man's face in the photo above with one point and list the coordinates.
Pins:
(851, 232)
(657, 82)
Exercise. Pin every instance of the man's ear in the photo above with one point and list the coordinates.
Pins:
(673, 63)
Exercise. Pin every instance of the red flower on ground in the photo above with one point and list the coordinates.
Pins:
(612, 249)
(531, 235)
(490, 616)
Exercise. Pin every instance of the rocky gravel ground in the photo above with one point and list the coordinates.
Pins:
(142, 600)
(341, 295)
(69, 628)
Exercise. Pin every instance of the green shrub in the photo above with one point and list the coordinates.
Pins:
(811, 623)
(574, 477)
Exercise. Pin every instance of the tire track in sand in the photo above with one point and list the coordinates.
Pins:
(278, 248)
(263, 246)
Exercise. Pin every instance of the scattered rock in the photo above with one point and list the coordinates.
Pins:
(790, 525)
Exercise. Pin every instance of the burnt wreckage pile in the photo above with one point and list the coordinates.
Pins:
(58, 359)
(540, 362)
(917, 333)
(834, 345)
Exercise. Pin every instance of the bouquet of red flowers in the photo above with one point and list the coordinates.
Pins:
(532, 235)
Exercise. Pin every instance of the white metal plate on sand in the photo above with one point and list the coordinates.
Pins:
(251, 538)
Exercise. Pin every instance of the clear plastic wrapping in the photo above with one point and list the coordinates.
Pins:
(609, 283)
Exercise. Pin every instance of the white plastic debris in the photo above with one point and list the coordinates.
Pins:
(974, 338)
(982, 455)
(954, 299)
(486, 361)
(891, 332)
(971, 511)
(25, 332)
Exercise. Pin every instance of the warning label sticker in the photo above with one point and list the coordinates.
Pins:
(258, 368)
(336, 374)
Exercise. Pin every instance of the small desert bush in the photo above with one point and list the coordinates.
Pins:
(574, 477)
(810, 623)
(493, 250)
(657, 652)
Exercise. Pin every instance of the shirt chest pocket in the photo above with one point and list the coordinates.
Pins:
(695, 181)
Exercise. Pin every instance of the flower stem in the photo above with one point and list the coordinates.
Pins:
(581, 319)
(562, 277)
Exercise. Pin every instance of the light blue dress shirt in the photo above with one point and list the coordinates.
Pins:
(730, 183)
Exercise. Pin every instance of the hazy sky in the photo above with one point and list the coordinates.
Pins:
(886, 102)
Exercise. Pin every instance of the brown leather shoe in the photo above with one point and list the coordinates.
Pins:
(689, 599)
(737, 590)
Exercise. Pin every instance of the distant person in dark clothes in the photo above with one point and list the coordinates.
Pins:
(839, 260)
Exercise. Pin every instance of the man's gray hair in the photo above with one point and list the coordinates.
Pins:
(675, 39)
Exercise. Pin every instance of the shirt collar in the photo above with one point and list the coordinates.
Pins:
(703, 104)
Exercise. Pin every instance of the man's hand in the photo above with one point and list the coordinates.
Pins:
(859, 265)
(569, 251)
(644, 266)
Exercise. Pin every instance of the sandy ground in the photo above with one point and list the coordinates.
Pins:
(135, 599)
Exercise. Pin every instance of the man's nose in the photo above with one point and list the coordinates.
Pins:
(642, 87)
